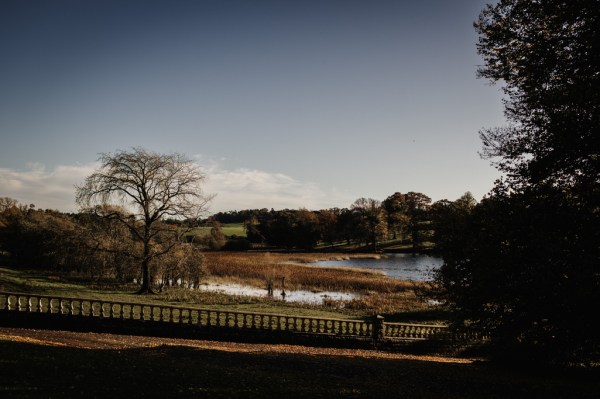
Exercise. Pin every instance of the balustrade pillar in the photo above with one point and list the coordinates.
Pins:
(378, 328)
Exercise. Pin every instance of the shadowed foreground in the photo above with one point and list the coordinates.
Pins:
(58, 364)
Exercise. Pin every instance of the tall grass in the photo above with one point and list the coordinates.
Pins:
(258, 268)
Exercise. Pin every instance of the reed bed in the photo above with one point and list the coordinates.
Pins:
(258, 268)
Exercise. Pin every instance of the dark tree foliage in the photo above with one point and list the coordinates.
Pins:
(526, 265)
(449, 220)
(396, 211)
(417, 214)
(291, 229)
(238, 216)
(547, 56)
(524, 268)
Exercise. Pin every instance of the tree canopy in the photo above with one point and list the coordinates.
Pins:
(546, 54)
(524, 263)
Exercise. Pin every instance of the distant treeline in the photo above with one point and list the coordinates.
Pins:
(408, 217)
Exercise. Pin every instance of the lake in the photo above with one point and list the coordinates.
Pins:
(291, 295)
(400, 266)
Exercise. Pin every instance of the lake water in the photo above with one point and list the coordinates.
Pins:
(291, 296)
(401, 266)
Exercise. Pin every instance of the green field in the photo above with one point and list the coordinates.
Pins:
(229, 230)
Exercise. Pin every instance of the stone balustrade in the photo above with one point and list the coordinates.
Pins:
(375, 328)
(413, 331)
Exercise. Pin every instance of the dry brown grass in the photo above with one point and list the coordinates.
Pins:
(379, 294)
(257, 268)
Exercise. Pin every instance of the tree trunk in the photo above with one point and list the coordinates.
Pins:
(145, 288)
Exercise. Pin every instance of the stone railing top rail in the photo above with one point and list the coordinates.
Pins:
(416, 325)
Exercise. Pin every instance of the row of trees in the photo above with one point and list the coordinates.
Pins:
(366, 222)
(89, 244)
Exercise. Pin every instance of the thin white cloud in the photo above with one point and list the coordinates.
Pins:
(235, 189)
(251, 189)
(45, 189)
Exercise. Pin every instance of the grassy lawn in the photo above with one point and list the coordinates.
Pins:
(228, 229)
(38, 369)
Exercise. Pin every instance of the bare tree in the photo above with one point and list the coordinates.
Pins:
(7, 203)
(151, 187)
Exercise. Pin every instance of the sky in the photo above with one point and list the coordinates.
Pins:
(283, 104)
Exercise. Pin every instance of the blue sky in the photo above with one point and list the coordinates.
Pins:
(285, 104)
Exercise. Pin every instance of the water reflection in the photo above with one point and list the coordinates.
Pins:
(290, 296)
(401, 266)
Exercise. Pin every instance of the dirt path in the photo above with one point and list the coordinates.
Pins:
(115, 341)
